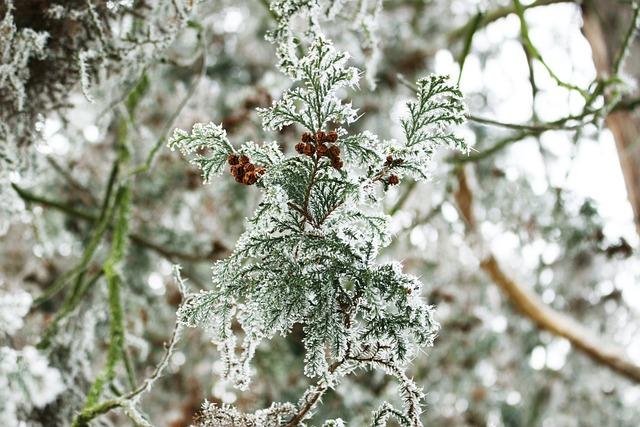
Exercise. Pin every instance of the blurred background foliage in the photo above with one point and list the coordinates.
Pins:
(551, 190)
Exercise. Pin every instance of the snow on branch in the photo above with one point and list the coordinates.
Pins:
(309, 254)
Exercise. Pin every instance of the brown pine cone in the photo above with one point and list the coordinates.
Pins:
(306, 137)
(233, 159)
(249, 167)
(320, 136)
(244, 159)
(300, 147)
(337, 163)
(237, 170)
(389, 159)
(322, 150)
(394, 180)
(309, 149)
(260, 171)
(332, 136)
(249, 178)
(334, 151)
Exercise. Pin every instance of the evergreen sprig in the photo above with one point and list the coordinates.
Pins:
(438, 105)
(309, 254)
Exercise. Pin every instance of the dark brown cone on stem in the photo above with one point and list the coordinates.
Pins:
(322, 150)
(237, 170)
(309, 149)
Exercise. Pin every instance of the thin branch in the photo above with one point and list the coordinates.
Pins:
(320, 388)
(495, 15)
(30, 197)
(466, 49)
(498, 146)
(136, 238)
(73, 300)
(89, 413)
(626, 43)
(535, 53)
(148, 164)
(560, 124)
(559, 324)
(84, 192)
(555, 125)
(69, 275)
(403, 198)
(114, 285)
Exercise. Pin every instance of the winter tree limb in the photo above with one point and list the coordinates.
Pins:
(530, 305)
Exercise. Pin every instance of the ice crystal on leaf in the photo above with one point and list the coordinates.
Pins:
(309, 254)
(438, 106)
(314, 103)
(210, 137)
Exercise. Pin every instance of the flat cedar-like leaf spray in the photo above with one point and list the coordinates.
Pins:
(309, 254)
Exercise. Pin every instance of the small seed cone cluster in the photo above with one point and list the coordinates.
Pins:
(243, 170)
(393, 179)
(324, 144)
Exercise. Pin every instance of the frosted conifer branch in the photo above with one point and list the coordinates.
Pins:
(17, 47)
(85, 74)
(322, 72)
(386, 411)
(439, 105)
(213, 415)
(209, 137)
(309, 254)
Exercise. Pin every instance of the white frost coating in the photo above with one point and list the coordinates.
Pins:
(309, 254)
(13, 307)
(16, 49)
(26, 381)
(311, 105)
(85, 75)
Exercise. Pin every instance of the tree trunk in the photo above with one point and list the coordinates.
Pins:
(605, 25)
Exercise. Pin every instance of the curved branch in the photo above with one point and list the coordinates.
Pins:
(560, 324)
(529, 304)
(318, 391)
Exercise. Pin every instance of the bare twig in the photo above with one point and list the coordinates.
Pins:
(559, 324)
(495, 15)
(137, 238)
(131, 398)
(148, 164)
(541, 127)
